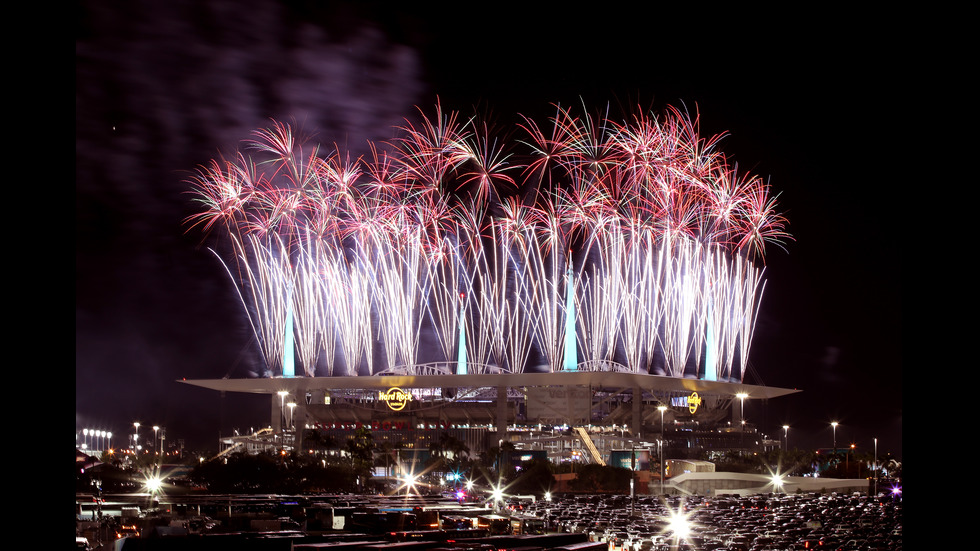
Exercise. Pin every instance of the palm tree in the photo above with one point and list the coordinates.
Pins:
(385, 448)
(436, 449)
(454, 446)
(361, 450)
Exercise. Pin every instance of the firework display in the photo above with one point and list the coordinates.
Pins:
(582, 244)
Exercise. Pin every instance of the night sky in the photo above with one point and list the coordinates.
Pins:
(162, 87)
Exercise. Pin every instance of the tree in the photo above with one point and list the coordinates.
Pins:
(243, 473)
(384, 448)
(448, 452)
(535, 478)
(594, 478)
(360, 448)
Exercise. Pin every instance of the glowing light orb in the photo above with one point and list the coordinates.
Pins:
(153, 484)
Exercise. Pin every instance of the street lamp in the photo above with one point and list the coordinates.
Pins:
(156, 430)
(741, 417)
(742, 396)
(136, 437)
(291, 406)
(282, 408)
(632, 479)
(660, 447)
(777, 481)
(786, 436)
(410, 480)
(834, 426)
(875, 469)
(497, 495)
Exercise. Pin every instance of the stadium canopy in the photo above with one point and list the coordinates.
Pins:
(594, 379)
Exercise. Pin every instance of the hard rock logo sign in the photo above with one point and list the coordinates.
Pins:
(693, 401)
(395, 398)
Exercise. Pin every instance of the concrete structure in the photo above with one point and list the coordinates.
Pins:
(714, 483)
(675, 467)
(478, 408)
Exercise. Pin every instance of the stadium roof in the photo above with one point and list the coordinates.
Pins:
(595, 379)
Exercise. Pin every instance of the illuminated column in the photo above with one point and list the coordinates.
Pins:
(461, 358)
(288, 363)
(711, 351)
(571, 346)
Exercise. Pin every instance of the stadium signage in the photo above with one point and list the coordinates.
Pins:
(395, 398)
(383, 426)
(693, 401)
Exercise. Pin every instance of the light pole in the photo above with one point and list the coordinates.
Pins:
(741, 418)
(136, 438)
(660, 447)
(875, 469)
(282, 409)
(156, 430)
(292, 426)
(834, 426)
(786, 437)
(632, 479)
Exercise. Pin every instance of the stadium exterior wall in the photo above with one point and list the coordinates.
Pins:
(717, 483)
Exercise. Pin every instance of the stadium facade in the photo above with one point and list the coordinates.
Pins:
(533, 410)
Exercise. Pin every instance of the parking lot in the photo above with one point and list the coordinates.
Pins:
(756, 523)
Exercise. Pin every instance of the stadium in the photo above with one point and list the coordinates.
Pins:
(534, 409)
(599, 277)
